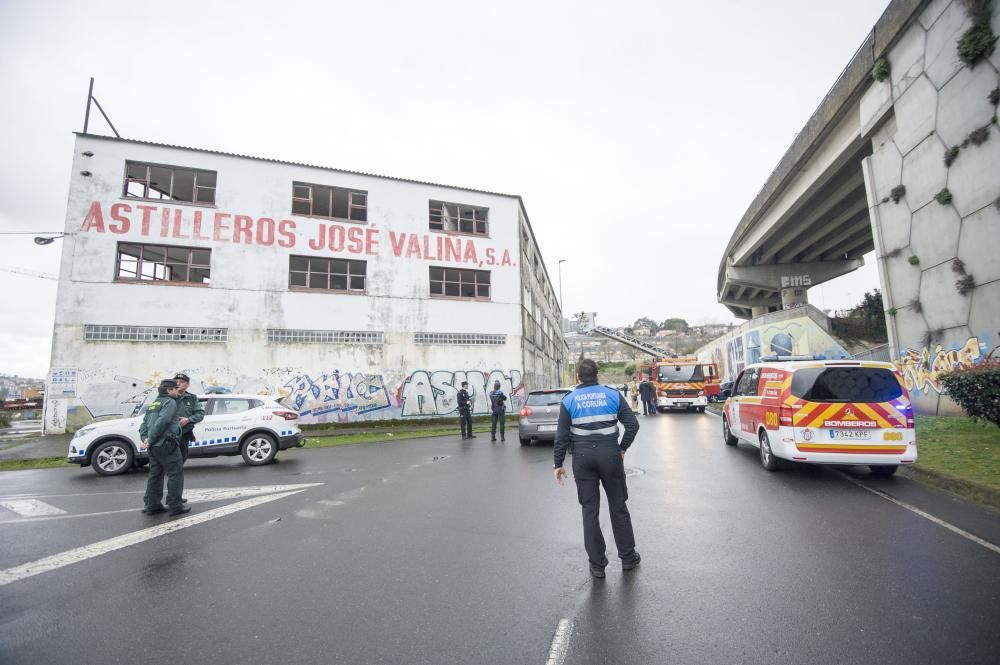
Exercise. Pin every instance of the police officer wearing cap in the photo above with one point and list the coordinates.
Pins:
(160, 432)
(588, 421)
(190, 411)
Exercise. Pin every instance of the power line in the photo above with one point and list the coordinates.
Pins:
(29, 273)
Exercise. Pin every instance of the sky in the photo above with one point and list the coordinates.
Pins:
(637, 133)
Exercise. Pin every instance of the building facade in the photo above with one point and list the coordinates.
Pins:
(352, 296)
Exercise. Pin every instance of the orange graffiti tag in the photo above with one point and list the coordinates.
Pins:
(920, 370)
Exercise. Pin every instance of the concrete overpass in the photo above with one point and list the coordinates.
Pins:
(906, 166)
(810, 221)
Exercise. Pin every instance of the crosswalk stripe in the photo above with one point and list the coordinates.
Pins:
(31, 508)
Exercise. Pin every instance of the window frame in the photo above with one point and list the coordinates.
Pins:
(329, 273)
(473, 209)
(163, 263)
(444, 281)
(172, 201)
(351, 205)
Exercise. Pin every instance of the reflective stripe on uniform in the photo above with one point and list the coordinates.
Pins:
(601, 418)
(579, 431)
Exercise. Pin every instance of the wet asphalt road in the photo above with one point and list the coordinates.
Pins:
(443, 551)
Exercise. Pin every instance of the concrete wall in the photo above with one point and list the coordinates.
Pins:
(931, 102)
(249, 293)
(801, 331)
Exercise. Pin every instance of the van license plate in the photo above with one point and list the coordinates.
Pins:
(850, 434)
(547, 428)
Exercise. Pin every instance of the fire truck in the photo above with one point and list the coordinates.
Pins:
(681, 382)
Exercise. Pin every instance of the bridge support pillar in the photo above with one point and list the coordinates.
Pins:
(756, 311)
(794, 297)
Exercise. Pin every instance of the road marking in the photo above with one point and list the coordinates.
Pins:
(62, 559)
(193, 496)
(940, 522)
(31, 508)
(717, 415)
(560, 643)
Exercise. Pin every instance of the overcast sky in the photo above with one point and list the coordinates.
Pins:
(637, 132)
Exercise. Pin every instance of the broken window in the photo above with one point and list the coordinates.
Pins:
(330, 202)
(458, 218)
(457, 283)
(312, 272)
(169, 183)
(163, 263)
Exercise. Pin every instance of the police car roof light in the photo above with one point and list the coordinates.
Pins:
(777, 358)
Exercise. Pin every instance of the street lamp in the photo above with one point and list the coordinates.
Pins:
(48, 240)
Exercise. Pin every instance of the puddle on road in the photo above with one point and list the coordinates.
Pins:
(634, 471)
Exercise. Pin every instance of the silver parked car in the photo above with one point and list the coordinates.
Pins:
(540, 415)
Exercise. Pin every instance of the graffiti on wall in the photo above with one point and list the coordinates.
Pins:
(435, 393)
(797, 336)
(336, 391)
(920, 368)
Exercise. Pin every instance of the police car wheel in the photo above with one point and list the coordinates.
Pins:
(883, 470)
(727, 434)
(259, 449)
(112, 458)
(767, 458)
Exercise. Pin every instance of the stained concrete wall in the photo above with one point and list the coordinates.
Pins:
(931, 103)
(249, 294)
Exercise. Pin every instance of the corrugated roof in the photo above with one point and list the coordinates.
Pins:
(282, 161)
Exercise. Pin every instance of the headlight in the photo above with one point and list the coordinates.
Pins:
(84, 430)
(701, 394)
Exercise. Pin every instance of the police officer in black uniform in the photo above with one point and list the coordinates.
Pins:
(498, 405)
(160, 432)
(465, 411)
(588, 421)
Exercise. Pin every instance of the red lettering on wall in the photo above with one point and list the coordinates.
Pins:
(491, 256)
(397, 242)
(165, 223)
(413, 248)
(147, 214)
(265, 231)
(336, 238)
(355, 239)
(453, 250)
(470, 253)
(286, 229)
(505, 261)
(94, 219)
(219, 225)
(118, 213)
(243, 229)
(371, 242)
(178, 220)
(196, 229)
(319, 241)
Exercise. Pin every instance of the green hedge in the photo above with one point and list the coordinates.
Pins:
(976, 390)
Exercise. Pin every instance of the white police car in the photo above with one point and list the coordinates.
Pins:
(249, 425)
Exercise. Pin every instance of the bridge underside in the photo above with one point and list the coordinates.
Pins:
(823, 235)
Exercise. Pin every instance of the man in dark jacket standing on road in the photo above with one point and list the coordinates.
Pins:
(645, 388)
(498, 406)
(160, 432)
(190, 411)
(588, 421)
(465, 411)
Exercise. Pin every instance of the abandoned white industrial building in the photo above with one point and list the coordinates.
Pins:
(356, 296)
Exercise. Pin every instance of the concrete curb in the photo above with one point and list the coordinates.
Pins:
(965, 489)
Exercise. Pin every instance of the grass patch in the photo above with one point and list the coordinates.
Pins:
(25, 464)
(957, 447)
(375, 437)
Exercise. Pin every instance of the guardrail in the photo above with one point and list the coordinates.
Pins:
(877, 353)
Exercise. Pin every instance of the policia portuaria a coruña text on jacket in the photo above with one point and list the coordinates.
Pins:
(160, 432)
(588, 421)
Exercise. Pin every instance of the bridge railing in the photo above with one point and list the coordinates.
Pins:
(876, 353)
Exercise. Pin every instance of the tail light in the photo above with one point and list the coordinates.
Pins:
(287, 415)
(525, 412)
(785, 416)
(907, 412)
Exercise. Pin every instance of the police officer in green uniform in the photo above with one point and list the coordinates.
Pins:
(190, 411)
(160, 432)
